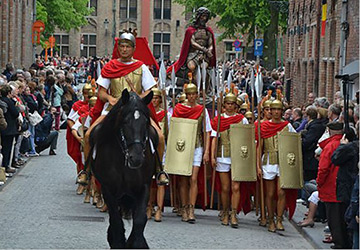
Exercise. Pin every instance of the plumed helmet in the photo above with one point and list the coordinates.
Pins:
(156, 92)
(191, 88)
(92, 101)
(230, 97)
(127, 37)
(244, 106)
(182, 98)
(249, 115)
(276, 104)
(266, 104)
(239, 101)
(87, 87)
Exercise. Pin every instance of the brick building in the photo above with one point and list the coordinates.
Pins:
(162, 22)
(313, 60)
(15, 32)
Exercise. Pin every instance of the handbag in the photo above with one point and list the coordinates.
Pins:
(35, 118)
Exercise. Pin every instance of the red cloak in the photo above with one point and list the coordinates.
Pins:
(183, 111)
(186, 47)
(160, 115)
(116, 69)
(225, 122)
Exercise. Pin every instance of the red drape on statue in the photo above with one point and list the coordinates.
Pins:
(186, 47)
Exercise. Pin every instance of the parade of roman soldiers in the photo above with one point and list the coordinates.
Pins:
(221, 135)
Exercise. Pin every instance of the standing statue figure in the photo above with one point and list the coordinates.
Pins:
(198, 44)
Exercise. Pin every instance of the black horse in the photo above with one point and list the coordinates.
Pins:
(123, 160)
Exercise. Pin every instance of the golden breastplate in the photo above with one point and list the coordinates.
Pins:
(224, 144)
(117, 85)
(271, 148)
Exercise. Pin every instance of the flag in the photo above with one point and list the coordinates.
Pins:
(323, 17)
(258, 86)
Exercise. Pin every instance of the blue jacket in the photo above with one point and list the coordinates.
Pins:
(42, 130)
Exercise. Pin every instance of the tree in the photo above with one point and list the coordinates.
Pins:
(64, 14)
(248, 16)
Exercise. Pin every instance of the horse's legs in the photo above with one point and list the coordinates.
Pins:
(116, 231)
(136, 238)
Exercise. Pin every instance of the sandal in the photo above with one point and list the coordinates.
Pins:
(328, 240)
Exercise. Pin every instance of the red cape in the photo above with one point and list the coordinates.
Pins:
(160, 115)
(183, 111)
(142, 52)
(116, 69)
(225, 122)
(269, 129)
(186, 47)
(95, 111)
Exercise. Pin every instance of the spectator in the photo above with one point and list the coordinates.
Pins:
(9, 71)
(334, 112)
(311, 98)
(44, 137)
(8, 134)
(32, 104)
(56, 102)
(3, 125)
(327, 186)
(310, 136)
(297, 117)
(287, 115)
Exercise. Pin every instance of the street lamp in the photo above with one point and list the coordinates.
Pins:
(106, 26)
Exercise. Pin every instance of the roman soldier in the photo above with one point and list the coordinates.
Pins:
(188, 185)
(268, 168)
(124, 72)
(249, 116)
(73, 145)
(221, 160)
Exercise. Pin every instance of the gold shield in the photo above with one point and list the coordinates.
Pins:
(243, 152)
(181, 146)
(290, 160)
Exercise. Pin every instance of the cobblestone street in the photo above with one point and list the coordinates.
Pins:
(40, 209)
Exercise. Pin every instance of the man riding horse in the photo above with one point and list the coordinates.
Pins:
(124, 72)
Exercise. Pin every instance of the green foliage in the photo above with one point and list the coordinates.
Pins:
(238, 15)
(64, 14)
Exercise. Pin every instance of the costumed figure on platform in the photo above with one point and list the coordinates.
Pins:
(268, 167)
(221, 160)
(187, 148)
(124, 72)
(198, 45)
(73, 145)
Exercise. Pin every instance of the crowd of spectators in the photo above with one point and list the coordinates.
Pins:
(34, 104)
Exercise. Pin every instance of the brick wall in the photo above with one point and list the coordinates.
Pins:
(322, 57)
(15, 32)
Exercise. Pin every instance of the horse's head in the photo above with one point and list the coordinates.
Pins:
(133, 132)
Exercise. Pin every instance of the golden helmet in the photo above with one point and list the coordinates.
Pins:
(266, 104)
(239, 101)
(182, 98)
(230, 97)
(87, 87)
(244, 106)
(156, 92)
(249, 115)
(92, 101)
(276, 104)
(191, 88)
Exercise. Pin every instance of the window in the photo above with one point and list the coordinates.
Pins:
(128, 9)
(89, 45)
(93, 4)
(62, 43)
(161, 44)
(229, 46)
(162, 9)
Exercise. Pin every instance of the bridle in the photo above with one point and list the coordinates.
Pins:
(125, 144)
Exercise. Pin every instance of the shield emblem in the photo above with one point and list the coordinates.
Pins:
(243, 152)
(181, 146)
(290, 160)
